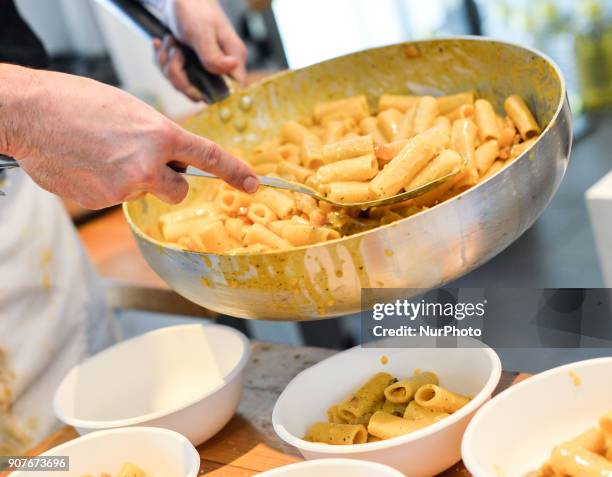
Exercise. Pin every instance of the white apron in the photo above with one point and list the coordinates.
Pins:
(52, 311)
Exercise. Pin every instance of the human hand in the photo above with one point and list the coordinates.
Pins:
(98, 145)
(203, 26)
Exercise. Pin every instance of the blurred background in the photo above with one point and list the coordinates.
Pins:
(571, 244)
(84, 37)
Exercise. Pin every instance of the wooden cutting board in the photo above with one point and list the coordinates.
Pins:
(248, 444)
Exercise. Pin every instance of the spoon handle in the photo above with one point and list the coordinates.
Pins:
(7, 162)
(273, 182)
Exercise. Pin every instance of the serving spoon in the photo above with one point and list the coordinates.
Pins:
(278, 183)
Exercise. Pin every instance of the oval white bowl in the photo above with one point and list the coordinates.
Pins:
(158, 452)
(429, 451)
(534, 416)
(186, 378)
(333, 468)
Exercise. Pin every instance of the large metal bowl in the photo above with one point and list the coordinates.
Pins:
(424, 251)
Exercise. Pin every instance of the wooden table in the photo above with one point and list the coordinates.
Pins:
(113, 250)
(248, 444)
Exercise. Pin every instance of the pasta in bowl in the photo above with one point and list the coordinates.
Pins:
(127, 470)
(422, 445)
(318, 265)
(557, 421)
(158, 452)
(586, 455)
(385, 407)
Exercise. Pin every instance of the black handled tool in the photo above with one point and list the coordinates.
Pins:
(213, 87)
(7, 162)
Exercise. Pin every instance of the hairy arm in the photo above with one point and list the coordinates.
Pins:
(16, 88)
(98, 145)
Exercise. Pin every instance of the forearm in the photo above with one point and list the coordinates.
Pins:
(98, 145)
(18, 95)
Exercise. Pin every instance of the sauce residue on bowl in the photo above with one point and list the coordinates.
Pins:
(577, 380)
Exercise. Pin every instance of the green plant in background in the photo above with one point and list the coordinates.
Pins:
(576, 34)
(594, 54)
(548, 18)
(552, 26)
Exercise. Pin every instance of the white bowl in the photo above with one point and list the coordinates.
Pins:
(333, 468)
(429, 451)
(534, 416)
(186, 378)
(158, 452)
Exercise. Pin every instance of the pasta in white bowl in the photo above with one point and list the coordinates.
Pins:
(539, 416)
(428, 451)
(159, 453)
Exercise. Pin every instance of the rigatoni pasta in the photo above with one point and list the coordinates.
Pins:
(416, 411)
(396, 101)
(425, 113)
(127, 470)
(257, 234)
(587, 455)
(386, 426)
(359, 169)
(463, 139)
(369, 126)
(448, 103)
(446, 162)
(367, 399)
(485, 155)
(383, 408)
(350, 191)
(439, 399)
(521, 116)
(486, 120)
(403, 391)
(337, 433)
(388, 122)
(355, 107)
(350, 153)
(348, 148)
(403, 168)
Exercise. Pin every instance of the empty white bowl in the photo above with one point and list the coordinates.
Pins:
(186, 378)
(516, 431)
(429, 451)
(333, 468)
(158, 452)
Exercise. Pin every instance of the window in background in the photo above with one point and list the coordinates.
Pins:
(317, 30)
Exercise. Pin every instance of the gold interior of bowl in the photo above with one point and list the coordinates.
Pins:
(494, 69)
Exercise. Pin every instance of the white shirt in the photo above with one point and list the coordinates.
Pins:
(166, 11)
(52, 310)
